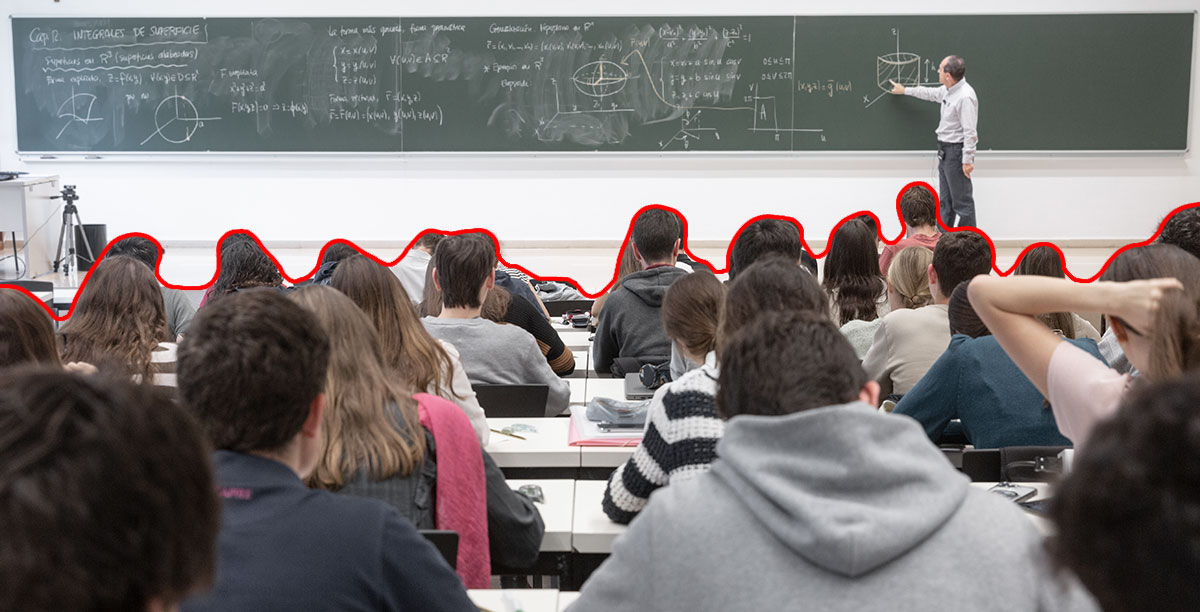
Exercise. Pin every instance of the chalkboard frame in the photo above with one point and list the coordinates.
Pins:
(48, 155)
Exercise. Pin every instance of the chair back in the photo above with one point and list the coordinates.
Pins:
(446, 542)
(512, 401)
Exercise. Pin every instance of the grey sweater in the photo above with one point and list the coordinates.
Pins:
(837, 508)
(631, 324)
(501, 354)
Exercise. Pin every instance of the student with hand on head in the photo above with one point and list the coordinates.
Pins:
(630, 325)
(919, 212)
(416, 452)
(178, 307)
(119, 322)
(106, 496)
(1151, 295)
(909, 341)
(817, 501)
(422, 362)
(975, 381)
(1127, 517)
(491, 353)
(253, 368)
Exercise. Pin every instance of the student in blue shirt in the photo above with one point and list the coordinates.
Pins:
(976, 382)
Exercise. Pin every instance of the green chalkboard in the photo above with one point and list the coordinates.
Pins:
(578, 84)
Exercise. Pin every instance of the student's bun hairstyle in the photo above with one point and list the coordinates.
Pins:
(1128, 515)
(764, 237)
(28, 334)
(784, 362)
(250, 367)
(776, 283)
(654, 234)
(909, 276)
(1175, 337)
(691, 311)
(106, 495)
(462, 263)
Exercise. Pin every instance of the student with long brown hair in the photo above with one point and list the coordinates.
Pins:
(421, 361)
(119, 320)
(28, 335)
(383, 442)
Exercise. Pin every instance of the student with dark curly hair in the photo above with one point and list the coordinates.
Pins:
(1128, 515)
(106, 495)
(244, 266)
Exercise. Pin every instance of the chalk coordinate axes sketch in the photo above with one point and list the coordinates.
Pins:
(176, 119)
(72, 114)
(902, 67)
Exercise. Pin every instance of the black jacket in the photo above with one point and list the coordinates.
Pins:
(631, 324)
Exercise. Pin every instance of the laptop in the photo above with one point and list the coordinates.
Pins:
(635, 390)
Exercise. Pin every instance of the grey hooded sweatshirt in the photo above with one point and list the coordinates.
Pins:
(837, 508)
(631, 324)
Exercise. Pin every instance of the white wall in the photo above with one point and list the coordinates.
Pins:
(310, 199)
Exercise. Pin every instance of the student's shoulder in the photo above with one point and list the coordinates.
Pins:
(345, 516)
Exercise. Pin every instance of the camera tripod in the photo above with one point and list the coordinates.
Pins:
(65, 255)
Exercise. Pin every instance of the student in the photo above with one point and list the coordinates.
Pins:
(243, 266)
(1157, 322)
(333, 257)
(907, 287)
(415, 452)
(919, 212)
(975, 382)
(253, 368)
(857, 292)
(909, 341)
(227, 241)
(627, 265)
(683, 425)
(1128, 517)
(178, 307)
(411, 269)
(28, 335)
(106, 496)
(761, 238)
(119, 321)
(630, 325)
(818, 501)
(500, 307)
(1045, 261)
(491, 353)
(423, 363)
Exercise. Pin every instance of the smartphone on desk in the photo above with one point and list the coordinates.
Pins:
(609, 426)
(1013, 492)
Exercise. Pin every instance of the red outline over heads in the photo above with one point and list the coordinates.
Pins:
(624, 243)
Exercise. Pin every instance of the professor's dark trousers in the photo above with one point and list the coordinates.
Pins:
(954, 188)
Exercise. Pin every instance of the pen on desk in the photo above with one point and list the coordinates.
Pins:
(505, 433)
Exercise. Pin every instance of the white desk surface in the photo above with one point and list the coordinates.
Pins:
(593, 531)
(545, 448)
(575, 338)
(605, 387)
(527, 600)
(605, 456)
(578, 389)
(566, 598)
(557, 512)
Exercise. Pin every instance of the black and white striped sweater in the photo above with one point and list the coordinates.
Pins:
(680, 442)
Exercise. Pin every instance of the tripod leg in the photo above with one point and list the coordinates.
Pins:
(59, 256)
(91, 255)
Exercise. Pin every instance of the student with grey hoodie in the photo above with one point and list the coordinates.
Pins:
(819, 502)
(630, 324)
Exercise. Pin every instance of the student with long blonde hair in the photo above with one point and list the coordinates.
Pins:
(415, 452)
(421, 361)
(119, 320)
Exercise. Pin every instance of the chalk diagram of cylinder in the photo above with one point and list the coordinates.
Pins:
(176, 120)
(903, 67)
(79, 103)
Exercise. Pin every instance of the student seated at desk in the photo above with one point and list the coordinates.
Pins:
(683, 426)
(819, 502)
(1128, 516)
(178, 307)
(253, 368)
(28, 336)
(419, 359)
(416, 452)
(491, 353)
(630, 324)
(106, 495)
(411, 269)
(241, 267)
(119, 323)
(975, 381)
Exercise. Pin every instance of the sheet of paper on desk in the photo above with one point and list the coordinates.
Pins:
(587, 433)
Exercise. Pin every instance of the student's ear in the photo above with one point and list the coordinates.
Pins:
(490, 283)
(934, 287)
(637, 254)
(316, 412)
(675, 250)
(869, 393)
(435, 280)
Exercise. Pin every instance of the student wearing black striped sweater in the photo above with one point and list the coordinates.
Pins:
(682, 425)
